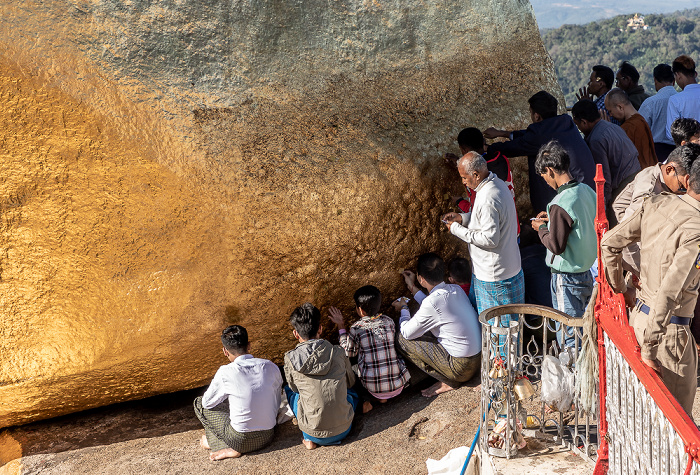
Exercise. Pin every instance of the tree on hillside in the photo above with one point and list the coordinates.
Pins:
(576, 48)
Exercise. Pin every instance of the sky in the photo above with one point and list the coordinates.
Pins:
(553, 14)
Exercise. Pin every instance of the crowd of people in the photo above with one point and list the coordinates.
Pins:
(647, 146)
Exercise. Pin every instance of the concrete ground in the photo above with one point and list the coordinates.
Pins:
(160, 435)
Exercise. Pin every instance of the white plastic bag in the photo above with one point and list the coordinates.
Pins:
(450, 464)
(284, 413)
(557, 384)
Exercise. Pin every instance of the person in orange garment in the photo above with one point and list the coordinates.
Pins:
(634, 125)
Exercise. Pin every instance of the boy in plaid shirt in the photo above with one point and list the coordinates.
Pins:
(381, 370)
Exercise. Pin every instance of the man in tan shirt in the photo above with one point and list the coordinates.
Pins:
(634, 125)
(664, 177)
(669, 228)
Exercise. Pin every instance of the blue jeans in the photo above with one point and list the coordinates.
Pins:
(570, 294)
(293, 399)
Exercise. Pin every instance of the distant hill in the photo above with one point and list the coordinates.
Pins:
(553, 14)
(576, 48)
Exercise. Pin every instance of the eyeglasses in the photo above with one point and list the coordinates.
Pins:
(594, 80)
(681, 188)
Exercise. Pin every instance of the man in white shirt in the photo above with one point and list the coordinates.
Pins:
(443, 338)
(239, 409)
(685, 104)
(491, 232)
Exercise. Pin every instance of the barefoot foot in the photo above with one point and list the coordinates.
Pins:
(309, 445)
(477, 389)
(437, 388)
(366, 407)
(204, 442)
(226, 453)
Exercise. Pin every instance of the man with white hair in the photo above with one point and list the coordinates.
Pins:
(491, 232)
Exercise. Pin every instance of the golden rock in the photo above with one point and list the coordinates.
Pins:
(169, 169)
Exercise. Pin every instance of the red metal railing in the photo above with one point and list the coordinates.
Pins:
(611, 317)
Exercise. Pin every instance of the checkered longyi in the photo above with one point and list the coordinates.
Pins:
(220, 434)
(432, 358)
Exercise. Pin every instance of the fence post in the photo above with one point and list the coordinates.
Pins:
(601, 225)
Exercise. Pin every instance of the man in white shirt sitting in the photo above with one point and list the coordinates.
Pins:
(443, 338)
(239, 409)
(491, 232)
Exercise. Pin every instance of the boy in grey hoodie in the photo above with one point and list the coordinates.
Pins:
(319, 378)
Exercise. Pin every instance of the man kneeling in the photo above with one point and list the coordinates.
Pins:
(239, 409)
(443, 338)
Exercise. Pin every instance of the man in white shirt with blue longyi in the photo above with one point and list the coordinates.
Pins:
(491, 230)
(239, 409)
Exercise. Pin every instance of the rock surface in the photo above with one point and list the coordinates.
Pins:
(169, 168)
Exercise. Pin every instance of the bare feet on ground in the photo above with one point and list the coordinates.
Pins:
(477, 389)
(309, 445)
(366, 407)
(204, 442)
(226, 453)
(437, 388)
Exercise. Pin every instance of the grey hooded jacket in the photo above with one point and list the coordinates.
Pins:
(321, 373)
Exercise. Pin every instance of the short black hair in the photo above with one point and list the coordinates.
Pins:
(431, 267)
(552, 155)
(683, 129)
(605, 73)
(460, 270)
(695, 177)
(663, 73)
(626, 69)
(471, 138)
(369, 299)
(235, 339)
(306, 320)
(685, 65)
(684, 157)
(544, 104)
(585, 109)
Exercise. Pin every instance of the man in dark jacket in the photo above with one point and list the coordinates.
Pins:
(627, 79)
(546, 125)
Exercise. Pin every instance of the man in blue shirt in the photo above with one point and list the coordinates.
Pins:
(654, 110)
(685, 104)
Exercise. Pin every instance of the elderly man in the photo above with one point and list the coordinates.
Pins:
(668, 227)
(491, 232)
(634, 126)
